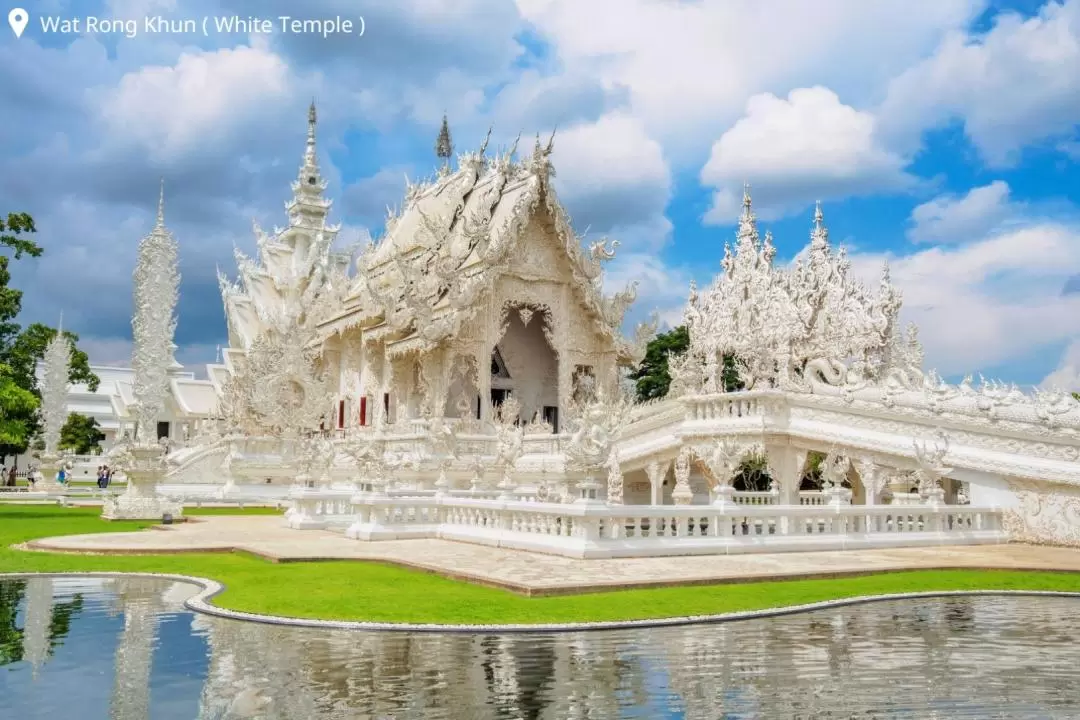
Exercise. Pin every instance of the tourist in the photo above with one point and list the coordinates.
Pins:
(101, 479)
(11, 476)
(108, 475)
(31, 476)
(61, 476)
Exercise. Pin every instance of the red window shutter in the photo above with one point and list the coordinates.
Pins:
(363, 410)
(341, 414)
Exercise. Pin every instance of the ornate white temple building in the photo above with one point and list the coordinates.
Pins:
(461, 379)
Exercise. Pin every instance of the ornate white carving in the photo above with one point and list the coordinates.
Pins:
(156, 291)
(509, 437)
(1045, 514)
(682, 494)
(931, 459)
(54, 390)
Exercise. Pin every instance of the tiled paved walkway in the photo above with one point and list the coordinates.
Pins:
(544, 574)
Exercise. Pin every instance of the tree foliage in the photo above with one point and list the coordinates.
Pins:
(653, 376)
(16, 405)
(81, 434)
(22, 348)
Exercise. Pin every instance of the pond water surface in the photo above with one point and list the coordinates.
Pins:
(126, 649)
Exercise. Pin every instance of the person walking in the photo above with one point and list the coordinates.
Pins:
(12, 476)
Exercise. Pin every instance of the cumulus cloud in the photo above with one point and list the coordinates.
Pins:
(612, 175)
(662, 288)
(689, 67)
(203, 98)
(795, 150)
(1010, 87)
(952, 218)
(988, 301)
(1067, 374)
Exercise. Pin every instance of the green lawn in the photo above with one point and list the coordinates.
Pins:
(371, 591)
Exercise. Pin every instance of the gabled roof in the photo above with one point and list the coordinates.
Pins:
(463, 223)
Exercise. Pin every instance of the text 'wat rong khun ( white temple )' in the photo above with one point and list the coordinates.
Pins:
(464, 378)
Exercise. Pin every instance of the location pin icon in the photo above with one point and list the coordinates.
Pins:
(17, 19)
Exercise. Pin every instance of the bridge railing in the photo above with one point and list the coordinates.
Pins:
(586, 530)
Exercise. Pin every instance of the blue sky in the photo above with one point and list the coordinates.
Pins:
(945, 140)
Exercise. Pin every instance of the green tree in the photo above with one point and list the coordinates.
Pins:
(81, 434)
(653, 375)
(16, 405)
(1076, 395)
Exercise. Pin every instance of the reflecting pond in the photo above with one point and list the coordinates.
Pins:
(127, 649)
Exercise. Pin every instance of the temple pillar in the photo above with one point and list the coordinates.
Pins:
(657, 471)
(786, 465)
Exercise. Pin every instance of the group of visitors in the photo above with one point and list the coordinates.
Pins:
(104, 476)
(8, 475)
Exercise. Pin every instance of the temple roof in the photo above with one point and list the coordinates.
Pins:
(435, 255)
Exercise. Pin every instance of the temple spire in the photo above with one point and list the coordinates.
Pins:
(161, 205)
(819, 236)
(747, 221)
(309, 152)
(444, 146)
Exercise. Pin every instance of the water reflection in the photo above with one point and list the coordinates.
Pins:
(133, 652)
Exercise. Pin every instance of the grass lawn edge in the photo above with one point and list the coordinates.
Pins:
(370, 595)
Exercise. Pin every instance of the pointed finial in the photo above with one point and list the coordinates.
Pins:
(444, 146)
(60, 326)
(161, 205)
(819, 217)
(483, 146)
(311, 119)
(746, 203)
(514, 147)
(551, 141)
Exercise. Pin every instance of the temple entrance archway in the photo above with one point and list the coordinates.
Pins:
(524, 364)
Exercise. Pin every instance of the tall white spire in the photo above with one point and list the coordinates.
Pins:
(819, 235)
(54, 388)
(156, 292)
(747, 221)
(308, 207)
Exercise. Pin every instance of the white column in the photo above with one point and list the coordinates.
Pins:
(657, 471)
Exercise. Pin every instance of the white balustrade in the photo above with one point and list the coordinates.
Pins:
(811, 497)
(319, 508)
(630, 531)
(756, 498)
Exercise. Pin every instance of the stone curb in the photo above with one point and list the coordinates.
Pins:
(208, 589)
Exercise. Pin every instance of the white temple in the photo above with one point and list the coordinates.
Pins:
(461, 379)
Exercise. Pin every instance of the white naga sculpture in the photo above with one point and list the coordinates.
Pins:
(509, 446)
(597, 424)
(932, 467)
(156, 291)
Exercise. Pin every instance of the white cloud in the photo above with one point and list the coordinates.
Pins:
(950, 218)
(689, 67)
(614, 179)
(795, 150)
(662, 289)
(173, 110)
(1015, 86)
(1067, 374)
(983, 303)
